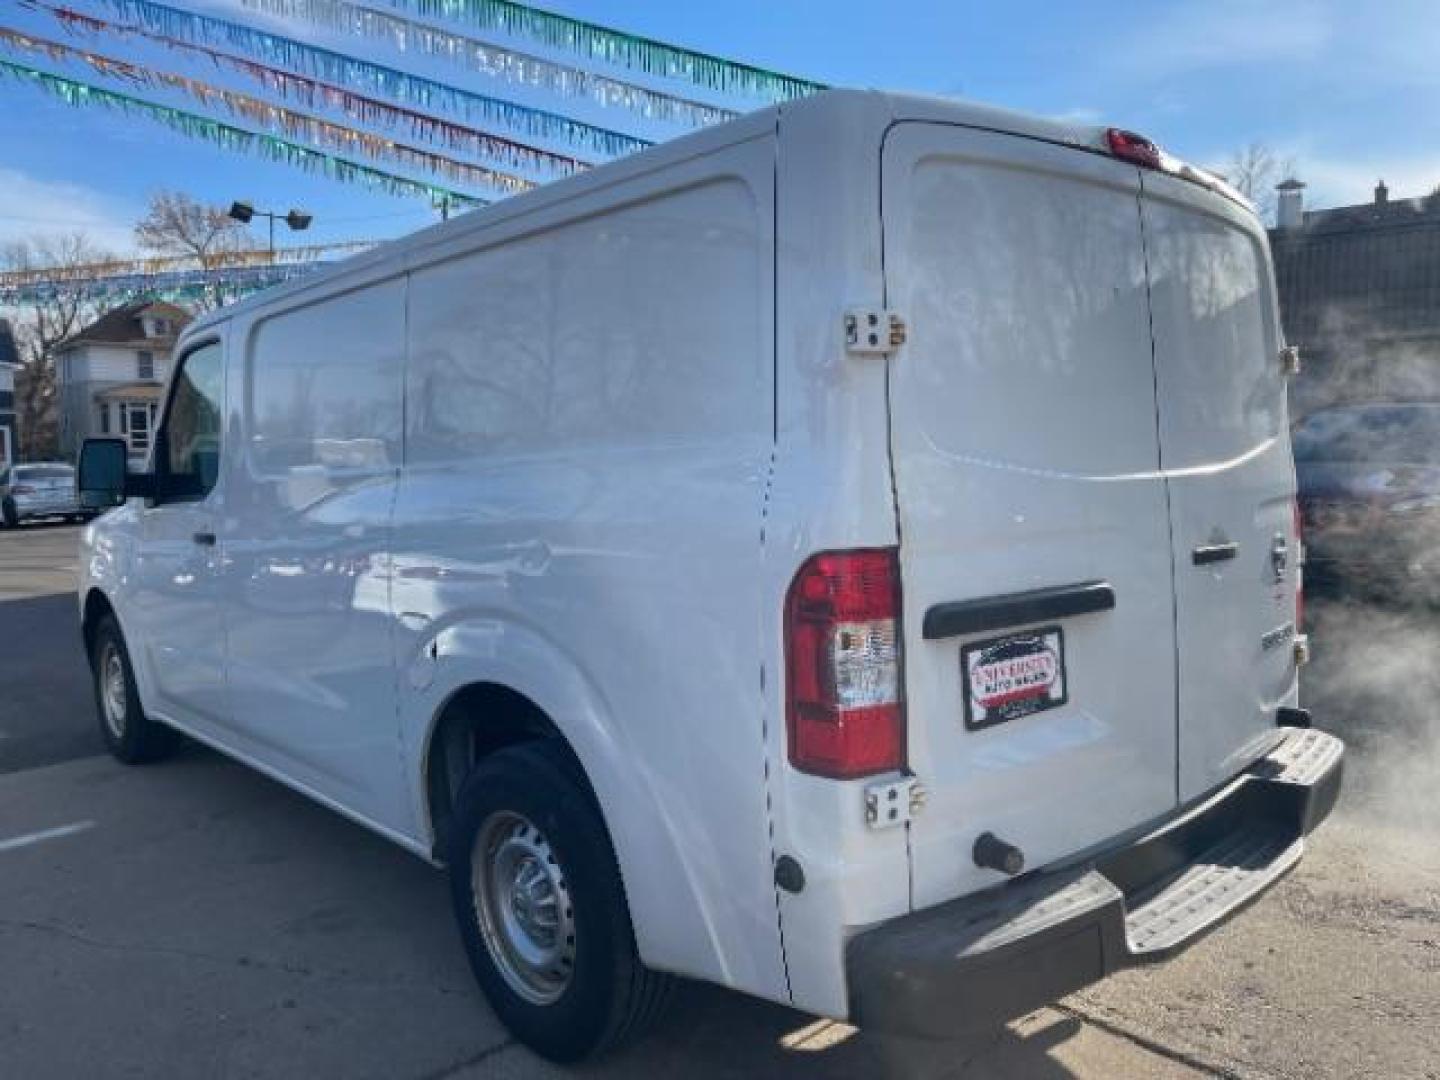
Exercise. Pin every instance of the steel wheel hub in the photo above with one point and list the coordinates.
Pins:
(112, 689)
(523, 907)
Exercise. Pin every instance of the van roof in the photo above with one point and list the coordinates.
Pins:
(830, 108)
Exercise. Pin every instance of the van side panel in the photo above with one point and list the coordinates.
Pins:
(305, 534)
(588, 425)
(831, 490)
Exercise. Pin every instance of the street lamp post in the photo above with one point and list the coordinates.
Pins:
(298, 220)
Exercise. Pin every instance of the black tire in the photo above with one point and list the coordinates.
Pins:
(610, 998)
(7, 511)
(132, 737)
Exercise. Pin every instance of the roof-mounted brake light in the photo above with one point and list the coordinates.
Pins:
(1136, 149)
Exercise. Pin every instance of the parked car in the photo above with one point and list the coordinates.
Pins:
(753, 561)
(1369, 480)
(40, 489)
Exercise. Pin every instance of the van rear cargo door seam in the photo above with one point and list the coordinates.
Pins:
(1160, 468)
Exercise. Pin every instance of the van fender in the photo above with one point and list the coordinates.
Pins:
(105, 567)
(673, 927)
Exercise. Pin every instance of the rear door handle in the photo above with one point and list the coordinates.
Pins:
(1206, 554)
(204, 539)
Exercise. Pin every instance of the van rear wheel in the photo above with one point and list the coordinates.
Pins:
(128, 733)
(541, 908)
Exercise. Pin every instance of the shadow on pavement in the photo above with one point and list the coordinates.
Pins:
(46, 712)
(713, 1032)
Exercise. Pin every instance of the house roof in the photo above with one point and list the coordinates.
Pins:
(1422, 212)
(121, 325)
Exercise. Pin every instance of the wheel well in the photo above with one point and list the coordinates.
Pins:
(96, 608)
(477, 721)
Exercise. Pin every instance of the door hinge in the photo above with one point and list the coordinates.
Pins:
(873, 331)
(893, 802)
(1290, 361)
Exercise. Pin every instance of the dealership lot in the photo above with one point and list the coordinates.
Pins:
(194, 918)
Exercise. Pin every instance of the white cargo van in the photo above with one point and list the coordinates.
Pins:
(847, 555)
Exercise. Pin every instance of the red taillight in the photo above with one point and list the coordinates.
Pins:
(1299, 568)
(1136, 149)
(844, 706)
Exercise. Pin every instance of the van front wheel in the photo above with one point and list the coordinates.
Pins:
(542, 910)
(129, 735)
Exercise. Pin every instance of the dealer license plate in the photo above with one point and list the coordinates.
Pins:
(1017, 675)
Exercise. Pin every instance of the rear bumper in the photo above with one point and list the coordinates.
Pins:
(25, 509)
(977, 961)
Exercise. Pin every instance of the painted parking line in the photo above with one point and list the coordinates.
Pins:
(45, 834)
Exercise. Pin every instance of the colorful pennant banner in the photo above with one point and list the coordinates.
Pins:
(230, 137)
(209, 285)
(166, 22)
(601, 43)
(304, 254)
(360, 107)
(494, 60)
(299, 125)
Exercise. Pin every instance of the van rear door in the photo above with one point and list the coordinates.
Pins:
(1026, 457)
(1226, 450)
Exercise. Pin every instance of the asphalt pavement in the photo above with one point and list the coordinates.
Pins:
(44, 682)
(193, 918)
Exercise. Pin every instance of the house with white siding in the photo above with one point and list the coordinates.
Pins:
(111, 374)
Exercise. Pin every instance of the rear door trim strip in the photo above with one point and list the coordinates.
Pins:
(958, 617)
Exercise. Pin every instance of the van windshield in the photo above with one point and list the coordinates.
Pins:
(1408, 434)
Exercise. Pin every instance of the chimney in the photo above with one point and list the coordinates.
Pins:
(1290, 209)
(1382, 194)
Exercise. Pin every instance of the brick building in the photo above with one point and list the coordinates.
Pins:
(1360, 294)
(9, 365)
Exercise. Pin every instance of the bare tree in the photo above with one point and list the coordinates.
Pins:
(176, 224)
(1254, 171)
(41, 324)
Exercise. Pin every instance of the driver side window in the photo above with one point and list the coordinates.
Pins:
(189, 455)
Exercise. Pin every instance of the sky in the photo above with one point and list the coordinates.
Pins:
(1346, 91)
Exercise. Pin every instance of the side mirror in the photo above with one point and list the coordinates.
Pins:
(103, 479)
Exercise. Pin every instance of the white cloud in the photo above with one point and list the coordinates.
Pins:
(1226, 33)
(1081, 114)
(1353, 45)
(33, 207)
